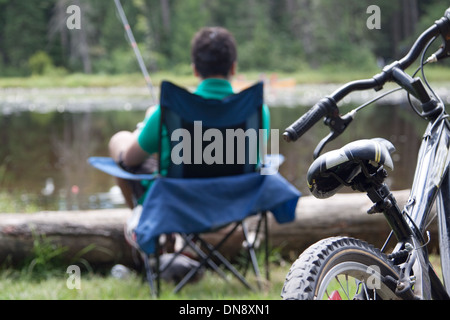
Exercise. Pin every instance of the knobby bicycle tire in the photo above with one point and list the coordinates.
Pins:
(312, 272)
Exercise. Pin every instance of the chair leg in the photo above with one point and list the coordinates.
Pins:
(251, 252)
(251, 245)
(153, 276)
(266, 244)
(213, 252)
(193, 272)
(206, 258)
(158, 267)
(228, 265)
(203, 255)
(149, 275)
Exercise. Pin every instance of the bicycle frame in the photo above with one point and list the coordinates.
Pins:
(443, 210)
(431, 183)
(431, 179)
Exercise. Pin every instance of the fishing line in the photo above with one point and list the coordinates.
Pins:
(135, 47)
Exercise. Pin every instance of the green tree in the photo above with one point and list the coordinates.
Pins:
(23, 32)
(272, 34)
(187, 18)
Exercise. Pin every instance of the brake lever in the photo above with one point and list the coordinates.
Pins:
(337, 125)
(444, 28)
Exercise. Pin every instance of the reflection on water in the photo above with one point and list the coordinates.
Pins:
(43, 157)
(44, 151)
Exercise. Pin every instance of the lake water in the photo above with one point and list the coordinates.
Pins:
(47, 136)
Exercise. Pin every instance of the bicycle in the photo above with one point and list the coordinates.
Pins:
(346, 268)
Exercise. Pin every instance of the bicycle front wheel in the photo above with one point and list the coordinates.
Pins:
(341, 268)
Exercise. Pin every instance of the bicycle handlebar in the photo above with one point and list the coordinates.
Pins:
(328, 106)
(310, 118)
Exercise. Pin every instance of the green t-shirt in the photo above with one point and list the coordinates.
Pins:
(148, 138)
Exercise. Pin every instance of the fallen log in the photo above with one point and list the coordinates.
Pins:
(98, 232)
(101, 231)
(342, 214)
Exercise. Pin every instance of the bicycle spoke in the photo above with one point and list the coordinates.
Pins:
(339, 281)
(346, 279)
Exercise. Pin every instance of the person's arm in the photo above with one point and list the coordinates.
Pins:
(146, 139)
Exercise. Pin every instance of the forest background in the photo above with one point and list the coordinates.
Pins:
(307, 37)
(273, 35)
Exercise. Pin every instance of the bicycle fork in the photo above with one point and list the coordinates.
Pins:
(410, 253)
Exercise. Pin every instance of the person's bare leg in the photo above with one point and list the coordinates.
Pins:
(118, 144)
(127, 192)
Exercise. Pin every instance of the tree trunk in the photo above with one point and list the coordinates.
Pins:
(102, 230)
(340, 215)
(165, 14)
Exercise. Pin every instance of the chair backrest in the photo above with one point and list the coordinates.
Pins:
(210, 137)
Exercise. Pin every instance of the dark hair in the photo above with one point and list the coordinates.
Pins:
(213, 51)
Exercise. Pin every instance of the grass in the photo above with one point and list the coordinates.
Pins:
(23, 285)
(20, 285)
(93, 287)
(17, 203)
(45, 276)
(95, 80)
(306, 76)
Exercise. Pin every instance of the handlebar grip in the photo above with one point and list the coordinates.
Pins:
(304, 123)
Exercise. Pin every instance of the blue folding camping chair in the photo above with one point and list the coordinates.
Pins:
(195, 195)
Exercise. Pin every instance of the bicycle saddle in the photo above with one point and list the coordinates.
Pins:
(329, 172)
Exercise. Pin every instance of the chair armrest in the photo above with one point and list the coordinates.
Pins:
(109, 166)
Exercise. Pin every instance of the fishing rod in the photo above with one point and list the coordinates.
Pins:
(135, 47)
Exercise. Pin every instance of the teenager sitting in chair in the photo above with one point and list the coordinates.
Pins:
(192, 196)
(214, 62)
